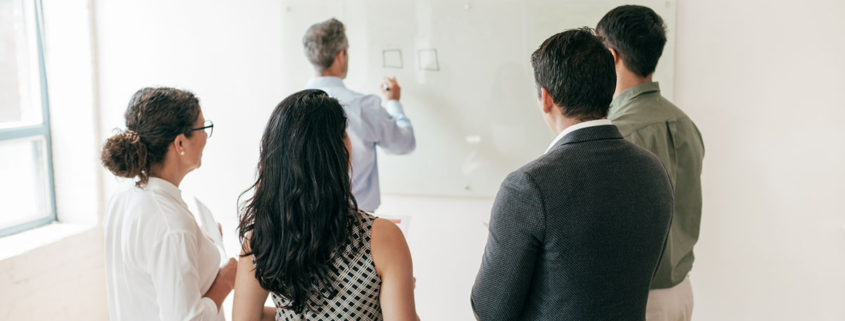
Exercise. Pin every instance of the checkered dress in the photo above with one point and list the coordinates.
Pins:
(356, 283)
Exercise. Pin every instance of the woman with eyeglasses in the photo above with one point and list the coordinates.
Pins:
(160, 265)
(304, 240)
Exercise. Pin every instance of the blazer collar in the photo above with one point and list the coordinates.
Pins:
(594, 133)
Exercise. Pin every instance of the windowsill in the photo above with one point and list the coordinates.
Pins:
(14, 245)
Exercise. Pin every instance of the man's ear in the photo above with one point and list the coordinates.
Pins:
(546, 101)
(615, 55)
(340, 56)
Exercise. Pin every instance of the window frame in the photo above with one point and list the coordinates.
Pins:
(41, 130)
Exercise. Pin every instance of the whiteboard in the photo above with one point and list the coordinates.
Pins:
(466, 78)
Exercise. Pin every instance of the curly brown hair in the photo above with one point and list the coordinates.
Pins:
(154, 117)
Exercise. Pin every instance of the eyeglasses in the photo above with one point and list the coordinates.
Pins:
(208, 128)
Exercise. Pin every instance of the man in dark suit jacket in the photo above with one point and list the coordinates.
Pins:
(577, 233)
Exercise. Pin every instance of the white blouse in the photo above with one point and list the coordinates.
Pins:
(159, 263)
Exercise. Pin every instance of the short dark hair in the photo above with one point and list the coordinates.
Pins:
(578, 72)
(154, 117)
(637, 34)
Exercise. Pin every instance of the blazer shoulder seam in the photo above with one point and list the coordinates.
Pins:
(533, 185)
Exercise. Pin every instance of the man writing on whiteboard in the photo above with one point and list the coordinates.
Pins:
(370, 124)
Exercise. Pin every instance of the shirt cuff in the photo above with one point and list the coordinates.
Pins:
(394, 108)
(210, 305)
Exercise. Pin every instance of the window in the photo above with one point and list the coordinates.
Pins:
(26, 171)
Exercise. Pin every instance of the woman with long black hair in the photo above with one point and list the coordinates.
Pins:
(304, 240)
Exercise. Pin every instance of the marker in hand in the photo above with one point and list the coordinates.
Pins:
(390, 90)
(386, 83)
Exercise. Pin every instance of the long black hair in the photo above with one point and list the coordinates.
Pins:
(302, 210)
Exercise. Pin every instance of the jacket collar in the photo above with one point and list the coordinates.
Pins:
(595, 133)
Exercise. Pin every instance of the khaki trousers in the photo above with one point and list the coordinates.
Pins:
(672, 304)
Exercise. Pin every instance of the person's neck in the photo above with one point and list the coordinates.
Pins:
(331, 73)
(562, 123)
(626, 79)
(170, 173)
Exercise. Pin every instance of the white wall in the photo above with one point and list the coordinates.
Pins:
(446, 236)
(764, 82)
(226, 53)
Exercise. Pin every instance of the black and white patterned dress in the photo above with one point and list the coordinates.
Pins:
(356, 283)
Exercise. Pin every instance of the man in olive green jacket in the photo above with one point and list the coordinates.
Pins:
(636, 36)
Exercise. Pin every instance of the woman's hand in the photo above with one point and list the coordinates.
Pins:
(224, 283)
(227, 273)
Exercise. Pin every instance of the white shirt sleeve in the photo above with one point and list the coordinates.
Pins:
(175, 276)
(391, 127)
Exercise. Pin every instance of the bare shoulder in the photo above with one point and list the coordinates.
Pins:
(388, 245)
(386, 236)
(386, 231)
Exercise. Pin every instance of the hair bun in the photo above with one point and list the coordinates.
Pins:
(124, 154)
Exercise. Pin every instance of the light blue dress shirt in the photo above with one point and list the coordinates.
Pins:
(369, 125)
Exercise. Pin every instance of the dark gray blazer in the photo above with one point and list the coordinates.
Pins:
(577, 233)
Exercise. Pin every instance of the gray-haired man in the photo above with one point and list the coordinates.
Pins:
(370, 124)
